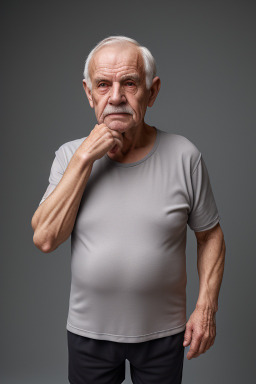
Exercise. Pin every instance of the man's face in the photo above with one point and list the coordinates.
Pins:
(119, 95)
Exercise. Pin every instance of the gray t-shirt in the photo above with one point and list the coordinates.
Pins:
(128, 260)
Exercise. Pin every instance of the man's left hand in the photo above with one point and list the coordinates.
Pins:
(200, 331)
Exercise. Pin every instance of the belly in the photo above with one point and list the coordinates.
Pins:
(139, 270)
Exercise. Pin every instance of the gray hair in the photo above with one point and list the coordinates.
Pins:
(149, 61)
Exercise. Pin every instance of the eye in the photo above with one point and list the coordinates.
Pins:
(130, 83)
(101, 84)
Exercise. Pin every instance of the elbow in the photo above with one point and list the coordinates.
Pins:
(33, 222)
(41, 237)
(43, 245)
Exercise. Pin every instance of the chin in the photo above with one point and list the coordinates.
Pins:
(120, 125)
(117, 126)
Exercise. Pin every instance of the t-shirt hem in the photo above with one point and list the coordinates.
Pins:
(125, 339)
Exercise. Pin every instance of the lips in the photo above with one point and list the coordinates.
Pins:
(118, 113)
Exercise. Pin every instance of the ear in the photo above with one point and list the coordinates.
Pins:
(88, 93)
(155, 88)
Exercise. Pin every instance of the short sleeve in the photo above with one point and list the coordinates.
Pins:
(203, 214)
(56, 173)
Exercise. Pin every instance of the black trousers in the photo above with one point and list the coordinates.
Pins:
(158, 361)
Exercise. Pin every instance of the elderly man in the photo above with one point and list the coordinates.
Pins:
(126, 193)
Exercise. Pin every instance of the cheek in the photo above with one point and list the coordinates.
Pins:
(100, 104)
(99, 98)
(138, 105)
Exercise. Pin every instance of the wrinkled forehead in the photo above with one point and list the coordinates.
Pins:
(117, 59)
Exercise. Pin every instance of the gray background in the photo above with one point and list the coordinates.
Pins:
(205, 54)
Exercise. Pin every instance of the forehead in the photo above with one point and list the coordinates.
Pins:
(116, 59)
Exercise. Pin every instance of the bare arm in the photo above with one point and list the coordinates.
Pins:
(210, 266)
(201, 327)
(54, 219)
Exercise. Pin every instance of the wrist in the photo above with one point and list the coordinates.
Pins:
(84, 157)
(207, 305)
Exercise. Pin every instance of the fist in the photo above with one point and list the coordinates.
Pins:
(101, 140)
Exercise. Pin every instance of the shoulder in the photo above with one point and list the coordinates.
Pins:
(67, 150)
(179, 142)
(181, 148)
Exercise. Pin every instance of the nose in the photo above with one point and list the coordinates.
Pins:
(116, 94)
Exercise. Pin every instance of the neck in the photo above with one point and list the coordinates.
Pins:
(136, 137)
(134, 141)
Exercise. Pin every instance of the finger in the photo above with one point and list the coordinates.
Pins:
(194, 347)
(208, 345)
(195, 356)
(213, 336)
(187, 336)
(119, 143)
(203, 344)
(212, 341)
(117, 134)
(209, 342)
(118, 138)
(116, 145)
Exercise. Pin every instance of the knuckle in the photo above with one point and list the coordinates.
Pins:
(109, 135)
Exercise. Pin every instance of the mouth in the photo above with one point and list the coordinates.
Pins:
(117, 114)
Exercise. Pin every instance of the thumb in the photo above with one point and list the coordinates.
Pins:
(187, 336)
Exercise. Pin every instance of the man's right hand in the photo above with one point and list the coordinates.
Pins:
(101, 140)
(54, 220)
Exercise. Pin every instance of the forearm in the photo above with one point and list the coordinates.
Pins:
(210, 265)
(54, 219)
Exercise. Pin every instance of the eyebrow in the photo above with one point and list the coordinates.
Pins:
(132, 76)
